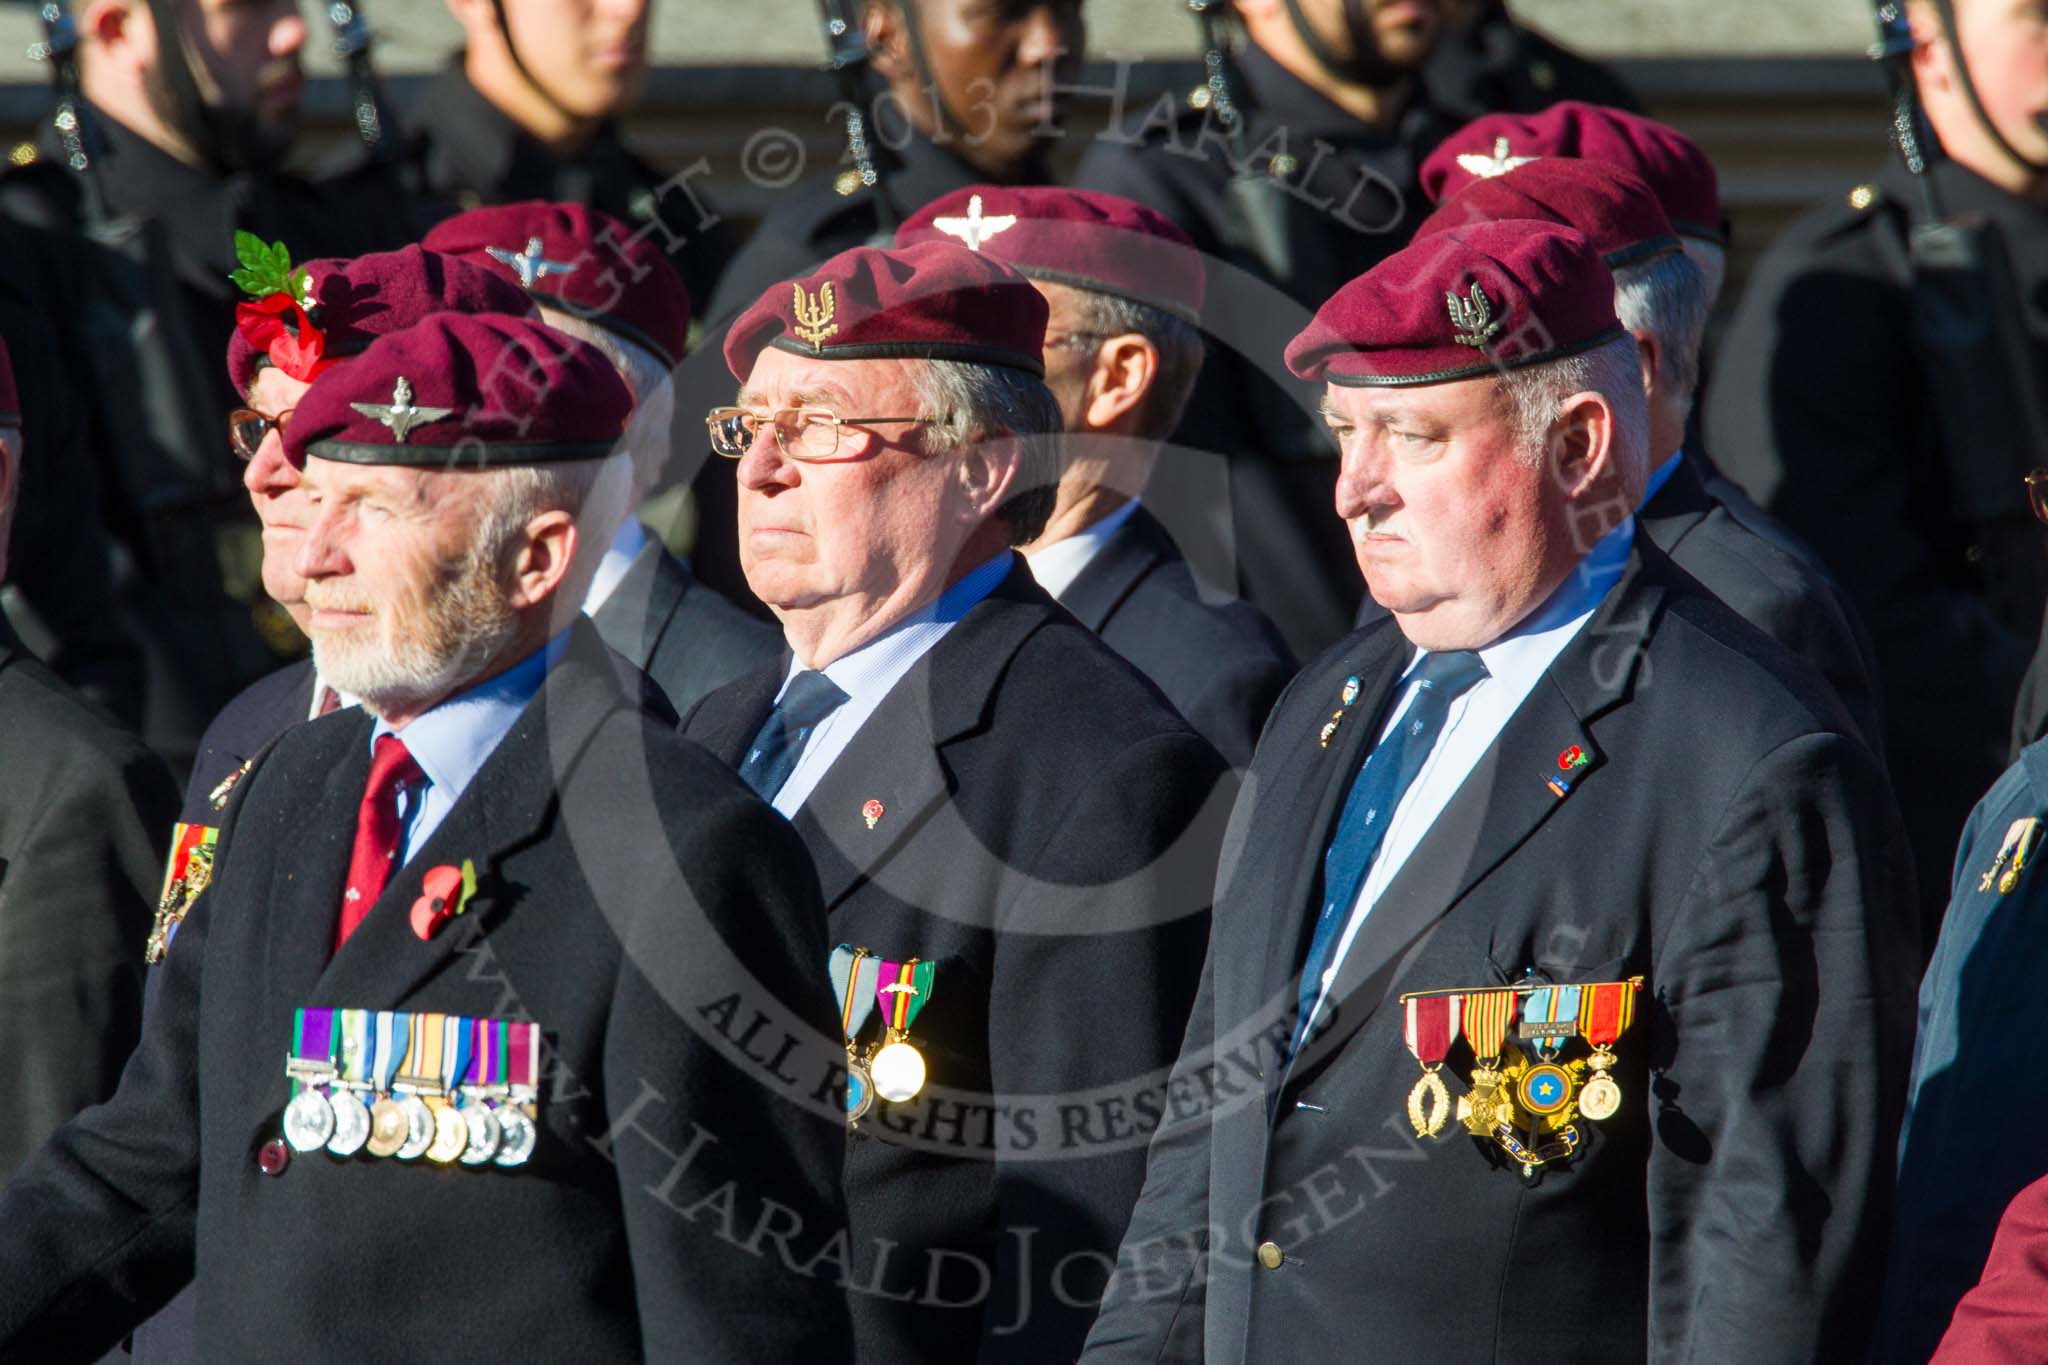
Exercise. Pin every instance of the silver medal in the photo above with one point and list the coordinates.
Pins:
(519, 1136)
(484, 1134)
(308, 1121)
(419, 1128)
(351, 1123)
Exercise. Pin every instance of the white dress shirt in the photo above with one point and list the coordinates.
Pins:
(869, 673)
(618, 558)
(1515, 664)
(1057, 565)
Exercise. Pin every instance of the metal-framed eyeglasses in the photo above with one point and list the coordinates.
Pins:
(800, 433)
(247, 428)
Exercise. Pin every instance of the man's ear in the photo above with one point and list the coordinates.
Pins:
(1651, 352)
(1580, 448)
(1125, 369)
(1933, 63)
(544, 559)
(883, 24)
(987, 472)
(114, 26)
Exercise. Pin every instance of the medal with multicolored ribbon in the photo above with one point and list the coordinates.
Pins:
(1609, 1008)
(903, 990)
(517, 1113)
(451, 1130)
(415, 1079)
(388, 1126)
(186, 874)
(855, 973)
(1486, 1015)
(485, 1052)
(1430, 1027)
(351, 1115)
(309, 1118)
(1550, 1019)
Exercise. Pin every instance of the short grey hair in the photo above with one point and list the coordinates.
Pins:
(1178, 342)
(1536, 394)
(598, 493)
(970, 402)
(1712, 260)
(1667, 297)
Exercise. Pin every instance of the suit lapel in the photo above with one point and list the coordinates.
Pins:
(1517, 785)
(1679, 506)
(1139, 546)
(727, 721)
(895, 761)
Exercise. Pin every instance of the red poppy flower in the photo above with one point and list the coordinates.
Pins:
(441, 903)
(300, 350)
(1571, 758)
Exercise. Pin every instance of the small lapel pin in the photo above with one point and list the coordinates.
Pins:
(446, 891)
(872, 812)
(2005, 869)
(218, 797)
(1568, 762)
(1345, 696)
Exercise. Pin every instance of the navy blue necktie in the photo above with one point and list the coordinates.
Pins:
(809, 698)
(1387, 775)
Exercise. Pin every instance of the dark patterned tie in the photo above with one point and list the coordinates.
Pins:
(809, 698)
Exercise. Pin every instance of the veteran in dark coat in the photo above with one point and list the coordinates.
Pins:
(1660, 297)
(1562, 963)
(501, 837)
(84, 808)
(1123, 290)
(986, 788)
(1858, 418)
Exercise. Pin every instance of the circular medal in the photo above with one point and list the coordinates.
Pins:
(351, 1124)
(388, 1128)
(484, 1134)
(308, 1121)
(519, 1137)
(1544, 1089)
(419, 1128)
(1601, 1099)
(860, 1090)
(898, 1072)
(451, 1134)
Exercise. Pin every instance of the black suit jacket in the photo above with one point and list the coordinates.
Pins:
(686, 637)
(628, 886)
(1730, 842)
(81, 814)
(1788, 598)
(1047, 835)
(1221, 664)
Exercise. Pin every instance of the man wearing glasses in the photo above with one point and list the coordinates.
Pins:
(1006, 818)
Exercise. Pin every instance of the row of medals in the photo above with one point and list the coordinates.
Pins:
(1511, 1105)
(492, 1126)
(902, 1067)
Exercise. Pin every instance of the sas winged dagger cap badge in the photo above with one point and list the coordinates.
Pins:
(400, 414)
(1472, 321)
(814, 314)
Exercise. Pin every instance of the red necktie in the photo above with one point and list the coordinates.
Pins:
(377, 830)
(330, 700)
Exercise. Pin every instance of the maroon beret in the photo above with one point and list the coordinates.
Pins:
(1671, 163)
(10, 398)
(931, 301)
(366, 297)
(579, 260)
(1093, 241)
(1464, 302)
(465, 390)
(1609, 207)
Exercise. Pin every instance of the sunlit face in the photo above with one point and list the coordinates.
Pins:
(997, 64)
(405, 604)
(1457, 533)
(247, 52)
(589, 56)
(2006, 44)
(274, 487)
(880, 523)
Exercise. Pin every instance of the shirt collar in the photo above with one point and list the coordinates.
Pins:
(1660, 476)
(617, 562)
(1057, 565)
(451, 742)
(879, 664)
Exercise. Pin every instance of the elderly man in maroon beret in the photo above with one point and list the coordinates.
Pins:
(1123, 291)
(1014, 832)
(447, 989)
(595, 279)
(1563, 955)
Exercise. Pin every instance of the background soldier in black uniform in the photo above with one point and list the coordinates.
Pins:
(189, 107)
(1488, 63)
(1827, 407)
(1319, 185)
(527, 110)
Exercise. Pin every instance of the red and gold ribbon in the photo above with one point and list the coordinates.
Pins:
(1609, 1008)
(1487, 1015)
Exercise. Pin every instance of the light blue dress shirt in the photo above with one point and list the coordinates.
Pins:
(870, 673)
(451, 742)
